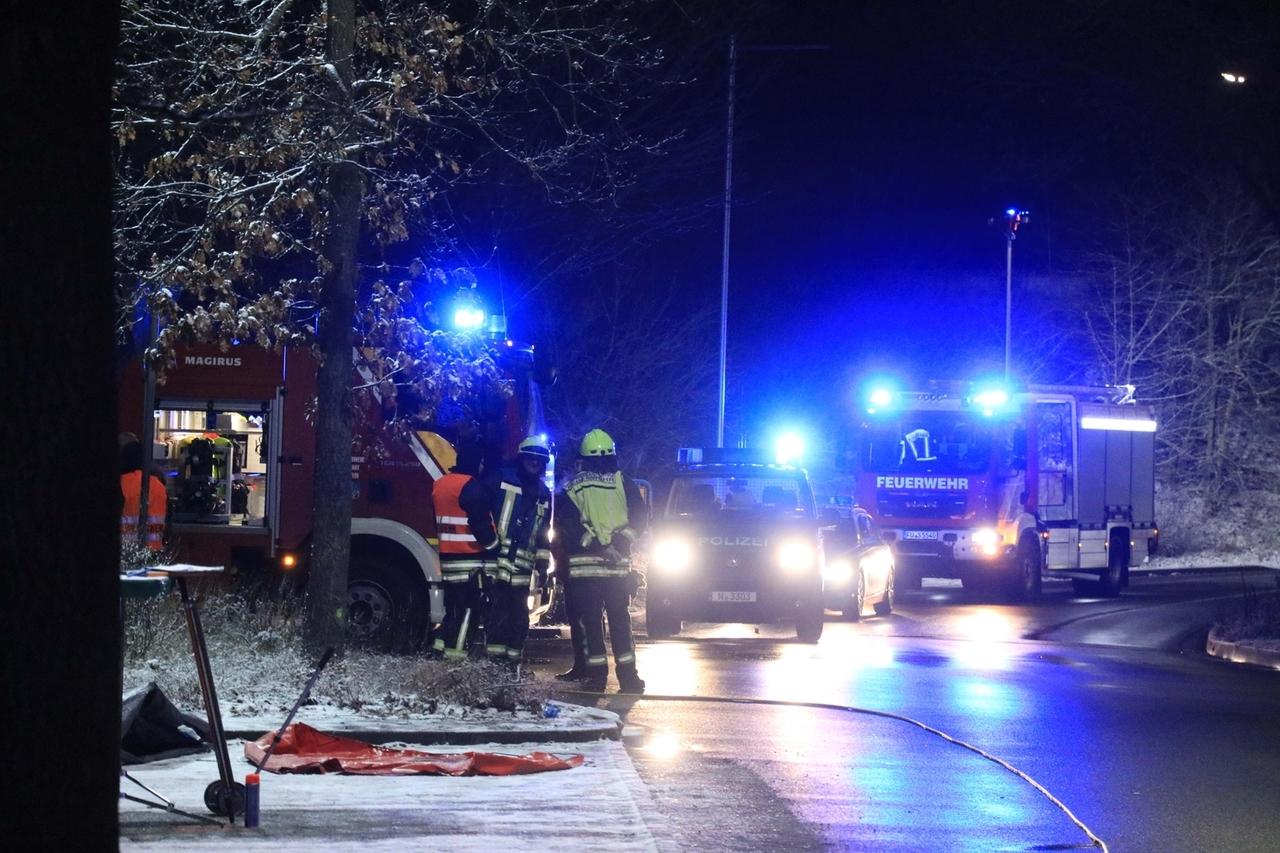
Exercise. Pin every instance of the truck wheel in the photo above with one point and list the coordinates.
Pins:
(659, 623)
(1112, 581)
(857, 601)
(1025, 582)
(809, 623)
(885, 605)
(385, 609)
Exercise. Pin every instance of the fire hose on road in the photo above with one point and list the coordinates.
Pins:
(1094, 840)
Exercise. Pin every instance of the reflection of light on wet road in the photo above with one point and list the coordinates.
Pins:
(983, 639)
(671, 668)
(850, 652)
(986, 698)
(662, 745)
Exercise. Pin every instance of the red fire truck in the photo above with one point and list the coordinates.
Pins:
(236, 446)
(1000, 487)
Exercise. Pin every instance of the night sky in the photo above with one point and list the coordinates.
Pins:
(865, 176)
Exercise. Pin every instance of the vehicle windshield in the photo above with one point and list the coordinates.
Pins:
(727, 496)
(933, 442)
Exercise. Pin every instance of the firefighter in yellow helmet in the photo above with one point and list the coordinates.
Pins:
(509, 514)
(600, 515)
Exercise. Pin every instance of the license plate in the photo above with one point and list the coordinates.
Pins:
(920, 534)
(733, 596)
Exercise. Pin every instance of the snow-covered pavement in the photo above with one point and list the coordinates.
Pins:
(596, 806)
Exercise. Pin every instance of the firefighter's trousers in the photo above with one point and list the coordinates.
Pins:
(508, 619)
(598, 598)
(463, 612)
(573, 615)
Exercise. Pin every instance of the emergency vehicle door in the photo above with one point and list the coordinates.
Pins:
(275, 451)
(1055, 466)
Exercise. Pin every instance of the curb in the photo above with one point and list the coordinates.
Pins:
(1241, 652)
(1200, 570)
(604, 725)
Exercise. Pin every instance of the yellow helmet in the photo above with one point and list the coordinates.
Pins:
(597, 443)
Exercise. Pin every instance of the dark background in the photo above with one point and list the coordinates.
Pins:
(866, 174)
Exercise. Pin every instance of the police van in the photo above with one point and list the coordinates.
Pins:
(737, 540)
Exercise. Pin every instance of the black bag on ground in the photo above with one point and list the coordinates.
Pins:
(151, 728)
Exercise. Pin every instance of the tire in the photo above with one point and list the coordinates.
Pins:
(659, 622)
(386, 609)
(1113, 580)
(809, 624)
(1025, 582)
(884, 606)
(857, 601)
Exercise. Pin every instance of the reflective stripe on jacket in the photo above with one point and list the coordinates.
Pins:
(510, 524)
(451, 521)
(157, 500)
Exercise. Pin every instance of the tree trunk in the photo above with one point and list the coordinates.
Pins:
(331, 539)
(60, 538)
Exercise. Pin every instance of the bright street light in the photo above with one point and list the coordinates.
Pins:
(1013, 220)
(1232, 77)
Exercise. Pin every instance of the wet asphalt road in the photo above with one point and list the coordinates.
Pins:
(1109, 704)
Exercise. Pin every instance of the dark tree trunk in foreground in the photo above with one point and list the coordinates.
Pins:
(59, 541)
(331, 541)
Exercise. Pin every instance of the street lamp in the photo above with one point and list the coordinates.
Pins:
(728, 204)
(1233, 78)
(1013, 220)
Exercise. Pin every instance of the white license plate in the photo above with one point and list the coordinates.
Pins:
(920, 534)
(733, 596)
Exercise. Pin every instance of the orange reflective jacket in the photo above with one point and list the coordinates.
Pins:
(451, 522)
(157, 498)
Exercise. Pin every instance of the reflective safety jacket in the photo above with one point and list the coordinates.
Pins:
(510, 520)
(599, 517)
(460, 554)
(157, 500)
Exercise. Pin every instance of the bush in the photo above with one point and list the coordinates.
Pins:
(260, 665)
(1255, 617)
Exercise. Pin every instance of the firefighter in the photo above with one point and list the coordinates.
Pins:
(572, 614)
(462, 562)
(131, 465)
(509, 514)
(601, 515)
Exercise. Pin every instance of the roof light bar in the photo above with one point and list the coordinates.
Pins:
(1118, 424)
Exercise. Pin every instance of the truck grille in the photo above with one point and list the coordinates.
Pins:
(931, 505)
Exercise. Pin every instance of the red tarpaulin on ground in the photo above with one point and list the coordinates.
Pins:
(305, 750)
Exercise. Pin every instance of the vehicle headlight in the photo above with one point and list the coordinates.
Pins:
(986, 540)
(673, 555)
(837, 571)
(796, 556)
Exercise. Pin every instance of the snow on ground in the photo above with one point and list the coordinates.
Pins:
(595, 806)
(447, 719)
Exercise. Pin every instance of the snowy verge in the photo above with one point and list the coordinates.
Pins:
(1259, 651)
(450, 724)
(592, 807)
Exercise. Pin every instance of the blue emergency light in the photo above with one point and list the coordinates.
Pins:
(468, 318)
(788, 448)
